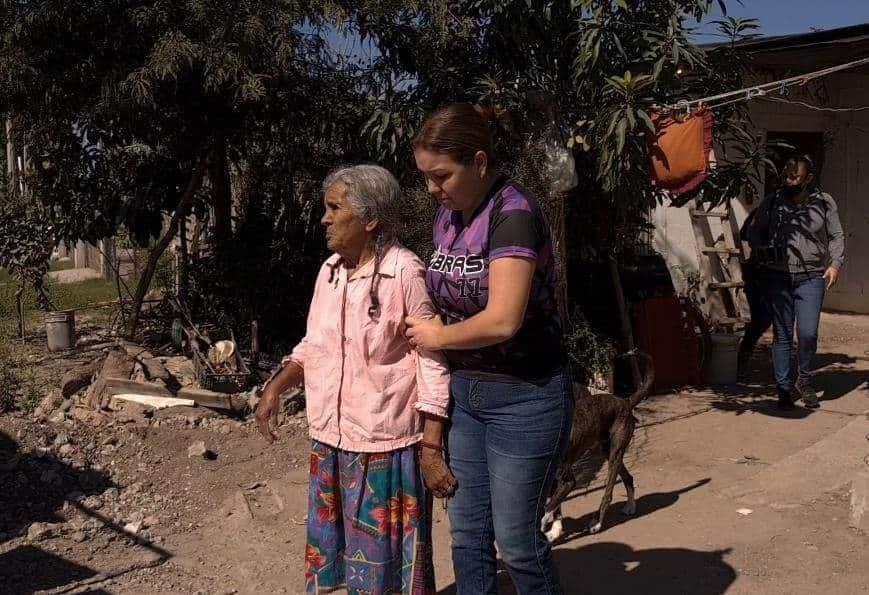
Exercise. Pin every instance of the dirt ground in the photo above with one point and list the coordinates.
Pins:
(125, 509)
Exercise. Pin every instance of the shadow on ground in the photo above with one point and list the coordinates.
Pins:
(646, 504)
(35, 488)
(610, 568)
(836, 376)
(36, 485)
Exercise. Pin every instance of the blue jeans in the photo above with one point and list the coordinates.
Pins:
(794, 298)
(505, 443)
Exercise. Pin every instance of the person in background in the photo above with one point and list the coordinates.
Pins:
(759, 312)
(492, 275)
(371, 399)
(800, 251)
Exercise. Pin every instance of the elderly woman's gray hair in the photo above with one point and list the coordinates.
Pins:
(373, 193)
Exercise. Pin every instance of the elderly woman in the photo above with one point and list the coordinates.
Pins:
(372, 400)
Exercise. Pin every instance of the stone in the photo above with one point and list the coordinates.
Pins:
(50, 402)
(92, 524)
(93, 503)
(198, 450)
(66, 450)
(133, 528)
(224, 429)
(859, 517)
(151, 521)
(66, 405)
(111, 494)
(183, 412)
(88, 417)
(134, 488)
(41, 531)
(58, 417)
(79, 536)
(61, 439)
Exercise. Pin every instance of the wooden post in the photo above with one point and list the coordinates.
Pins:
(19, 310)
(254, 342)
(183, 259)
(624, 316)
(108, 258)
(10, 157)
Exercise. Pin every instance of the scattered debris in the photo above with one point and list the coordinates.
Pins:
(79, 378)
(117, 386)
(133, 528)
(155, 402)
(744, 511)
(198, 450)
(116, 365)
(749, 460)
(42, 531)
(152, 367)
(215, 400)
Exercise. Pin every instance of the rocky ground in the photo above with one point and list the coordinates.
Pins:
(734, 496)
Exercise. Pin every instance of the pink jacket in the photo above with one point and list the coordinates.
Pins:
(364, 384)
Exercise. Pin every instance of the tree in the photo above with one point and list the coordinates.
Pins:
(135, 112)
(585, 74)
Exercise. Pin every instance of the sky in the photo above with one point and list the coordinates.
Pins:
(780, 17)
(776, 17)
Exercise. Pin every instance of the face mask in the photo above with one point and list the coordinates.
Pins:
(794, 191)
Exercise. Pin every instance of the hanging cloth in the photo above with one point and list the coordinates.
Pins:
(679, 153)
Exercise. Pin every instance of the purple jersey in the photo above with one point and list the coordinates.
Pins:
(508, 223)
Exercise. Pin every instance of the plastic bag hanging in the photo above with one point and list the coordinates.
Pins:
(560, 165)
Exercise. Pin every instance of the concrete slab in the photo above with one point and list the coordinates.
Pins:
(827, 465)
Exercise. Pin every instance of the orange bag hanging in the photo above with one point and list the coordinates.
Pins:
(679, 153)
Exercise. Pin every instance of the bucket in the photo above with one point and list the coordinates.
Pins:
(60, 330)
(721, 363)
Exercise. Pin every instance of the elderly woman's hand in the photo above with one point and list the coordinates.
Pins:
(267, 414)
(438, 477)
(424, 334)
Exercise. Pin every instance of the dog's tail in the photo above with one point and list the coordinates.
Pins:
(648, 372)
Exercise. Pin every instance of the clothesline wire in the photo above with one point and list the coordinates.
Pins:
(816, 107)
(762, 89)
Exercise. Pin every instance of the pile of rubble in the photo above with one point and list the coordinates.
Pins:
(125, 383)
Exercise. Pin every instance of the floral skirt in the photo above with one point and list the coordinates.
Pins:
(369, 523)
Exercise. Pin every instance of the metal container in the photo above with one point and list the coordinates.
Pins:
(721, 366)
(60, 330)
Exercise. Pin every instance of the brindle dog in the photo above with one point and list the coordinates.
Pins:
(599, 420)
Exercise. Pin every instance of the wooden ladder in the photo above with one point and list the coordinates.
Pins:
(721, 257)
